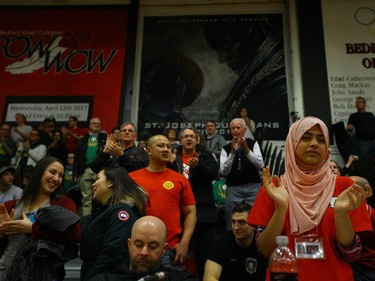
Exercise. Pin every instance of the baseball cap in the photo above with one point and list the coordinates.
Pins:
(5, 168)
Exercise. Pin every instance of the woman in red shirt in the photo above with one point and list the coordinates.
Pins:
(313, 207)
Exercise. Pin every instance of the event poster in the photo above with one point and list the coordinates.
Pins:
(195, 68)
(62, 62)
(349, 34)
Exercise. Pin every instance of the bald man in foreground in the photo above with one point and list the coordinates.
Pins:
(147, 245)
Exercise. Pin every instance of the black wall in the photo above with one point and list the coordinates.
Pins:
(313, 60)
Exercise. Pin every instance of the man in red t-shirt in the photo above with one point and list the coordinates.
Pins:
(170, 196)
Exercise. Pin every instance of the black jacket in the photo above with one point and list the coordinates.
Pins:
(104, 240)
(134, 158)
(42, 259)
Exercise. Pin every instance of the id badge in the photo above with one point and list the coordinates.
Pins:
(309, 247)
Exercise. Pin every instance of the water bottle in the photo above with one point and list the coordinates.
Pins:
(283, 265)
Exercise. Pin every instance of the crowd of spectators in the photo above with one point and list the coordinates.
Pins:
(171, 180)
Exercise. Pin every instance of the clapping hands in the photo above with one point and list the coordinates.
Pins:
(10, 226)
(114, 145)
(275, 190)
(193, 161)
(352, 197)
(239, 143)
(4, 217)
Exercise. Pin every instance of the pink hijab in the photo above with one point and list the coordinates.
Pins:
(310, 188)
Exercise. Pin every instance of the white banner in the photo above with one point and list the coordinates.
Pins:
(349, 34)
(36, 112)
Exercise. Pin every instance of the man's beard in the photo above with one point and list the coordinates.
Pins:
(142, 270)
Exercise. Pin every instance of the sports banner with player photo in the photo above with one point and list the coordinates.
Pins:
(199, 67)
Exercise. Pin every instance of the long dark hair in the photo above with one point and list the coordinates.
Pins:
(32, 190)
(125, 189)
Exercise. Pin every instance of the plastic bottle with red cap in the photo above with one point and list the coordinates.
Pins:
(283, 265)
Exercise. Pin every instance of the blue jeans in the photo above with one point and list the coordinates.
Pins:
(168, 261)
(235, 194)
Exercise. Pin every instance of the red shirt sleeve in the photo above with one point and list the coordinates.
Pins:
(262, 210)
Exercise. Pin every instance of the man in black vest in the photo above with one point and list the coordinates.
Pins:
(240, 162)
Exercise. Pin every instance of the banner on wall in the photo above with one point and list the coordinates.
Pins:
(349, 35)
(62, 62)
(195, 68)
(61, 108)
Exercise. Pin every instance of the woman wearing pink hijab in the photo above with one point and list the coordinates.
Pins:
(320, 213)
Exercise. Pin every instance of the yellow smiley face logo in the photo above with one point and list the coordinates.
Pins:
(168, 185)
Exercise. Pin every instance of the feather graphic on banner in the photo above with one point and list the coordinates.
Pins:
(35, 62)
